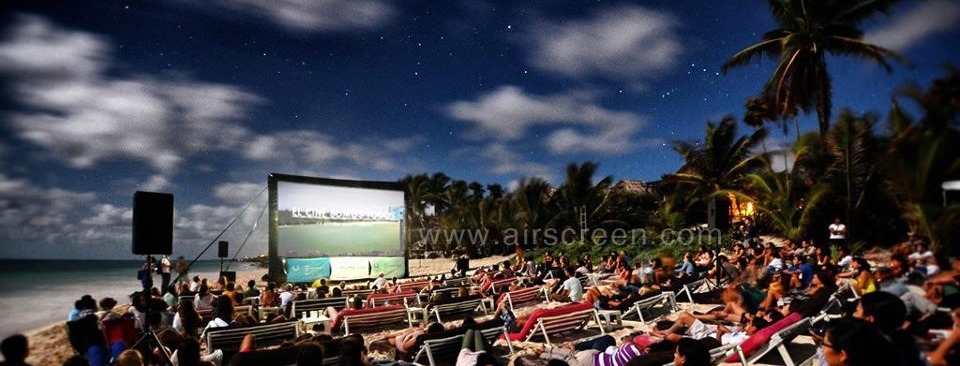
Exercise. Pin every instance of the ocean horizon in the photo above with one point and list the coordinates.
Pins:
(38, 293)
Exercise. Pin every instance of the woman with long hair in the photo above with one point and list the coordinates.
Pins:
(187, 320)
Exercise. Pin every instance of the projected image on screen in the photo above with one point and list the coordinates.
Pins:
(332, 221)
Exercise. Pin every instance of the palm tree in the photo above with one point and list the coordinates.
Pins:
(783, 199)
(922, 154)
(579, 196)
(718, 164)
(716, 168)
(855, 152)
(531, 205)
(807, 31)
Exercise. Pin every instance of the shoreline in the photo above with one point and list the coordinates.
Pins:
(49, 345)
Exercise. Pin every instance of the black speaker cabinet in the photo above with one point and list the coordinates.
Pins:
(152, 223)
(230, 275)
(718, 214)
(224, 248)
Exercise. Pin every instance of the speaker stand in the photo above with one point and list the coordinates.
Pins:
(150, 337)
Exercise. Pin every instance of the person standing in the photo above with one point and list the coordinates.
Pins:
(164, 273)
(838, 233)
(145, 275)
(182, 270)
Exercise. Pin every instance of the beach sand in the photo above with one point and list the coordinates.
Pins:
(49, 345)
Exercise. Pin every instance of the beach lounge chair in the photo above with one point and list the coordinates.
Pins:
(497, 286)
(412, 286)
(667, 300)
(689, 289)
(445, 345)
(409, 297)
(448, 347)
(552, 322)
(286, 356)
(519, 298)
(228, 339)
(360, 293)
(300, 306)
(370, 318)
(457, 307)
(777, 336)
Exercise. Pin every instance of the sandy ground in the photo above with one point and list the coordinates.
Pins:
(49, 346)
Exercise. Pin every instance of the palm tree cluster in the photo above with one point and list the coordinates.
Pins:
(439, 204)
(881, 185)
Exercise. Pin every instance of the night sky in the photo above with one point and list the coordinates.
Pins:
(205, 98)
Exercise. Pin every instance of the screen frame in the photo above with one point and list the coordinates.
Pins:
(275, 262)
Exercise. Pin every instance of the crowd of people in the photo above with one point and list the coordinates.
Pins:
(888, 306)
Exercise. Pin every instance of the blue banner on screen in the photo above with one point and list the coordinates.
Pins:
(343, 268)
(307, 269)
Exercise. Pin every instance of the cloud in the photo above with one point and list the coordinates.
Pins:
(31, 214)
(626, 43)
(314, 148)
(506, 114)
(82, 117)
(157, 183)
(501, 159)
(237, 193)
(317, 15)
(914, 27)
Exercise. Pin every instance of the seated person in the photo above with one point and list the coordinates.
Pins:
(734, 308)
(570, 289)
(474, 350)
(697, 329)
(406, 338)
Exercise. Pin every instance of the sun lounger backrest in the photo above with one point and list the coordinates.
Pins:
(546, 322)
(362, 293)
(521, 297)
(228, 339)
(449, 343)
(759, 340)
(406, 297)
(299, 306)
(286, 356)
(456, 309)
(352, 320)
(667, 298)
(456, 282)
(689, 288)
(497, 286)
(413, 286)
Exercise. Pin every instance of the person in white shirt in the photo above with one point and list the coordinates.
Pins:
(286, 296)
(838, 232)
(379, 283)
(572, 287)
